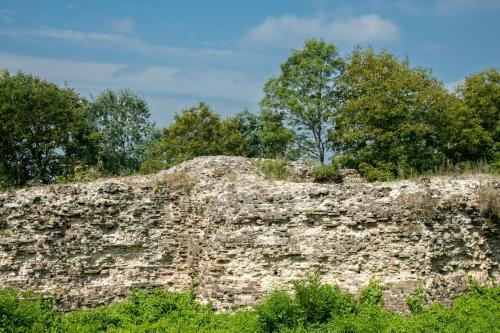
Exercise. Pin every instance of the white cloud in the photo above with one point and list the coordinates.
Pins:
(461, 6)
(105, 40)
(451, 86)
(173, 85)
(290, 30)
(123, 24)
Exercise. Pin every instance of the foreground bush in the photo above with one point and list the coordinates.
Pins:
(311, 307)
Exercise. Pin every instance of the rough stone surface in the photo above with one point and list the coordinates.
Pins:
(218, 224)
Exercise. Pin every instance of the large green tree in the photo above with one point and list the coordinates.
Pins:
(305, 94)
(122, 121)
(39, 123)
(393, 117)
(475, 117)
(196, 131)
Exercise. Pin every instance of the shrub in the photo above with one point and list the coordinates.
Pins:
(372, 294)
(277, 310)
(313, 307)
(373, 174)
(416, 301)
(326, 174)
(21, 312)
(272, 169)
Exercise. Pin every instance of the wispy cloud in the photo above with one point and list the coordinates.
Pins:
(122, 24)
(185, 84)
(107, 40)
(6, 16)
(290, 30)
(462, 6)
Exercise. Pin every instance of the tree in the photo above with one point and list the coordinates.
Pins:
(277, 140)
(305, 93)
(248, 125)
(122, 121)
(475, 134)
(392, 117)
(196, 131)
(39, 122)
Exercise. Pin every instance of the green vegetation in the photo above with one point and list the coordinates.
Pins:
(312, 307)
(272, 169)
(42, 128)
(306, 95)
(121, 122)
(369, 111)
(326, 174)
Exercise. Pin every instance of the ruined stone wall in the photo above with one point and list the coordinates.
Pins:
(218, 224)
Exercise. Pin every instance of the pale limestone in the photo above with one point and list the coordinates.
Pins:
(218, 224)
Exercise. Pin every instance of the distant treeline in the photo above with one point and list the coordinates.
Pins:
(369, 111)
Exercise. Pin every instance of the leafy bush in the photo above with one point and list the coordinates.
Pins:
(20, 312)
(278, 310)
(312, 307)
(272, 169)
(416, 301)
(372, 294)
(373, 174)
(326, 174)
(318, 302)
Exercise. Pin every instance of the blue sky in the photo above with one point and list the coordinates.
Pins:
(176, 53)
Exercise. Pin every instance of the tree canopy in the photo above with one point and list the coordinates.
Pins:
(39, 122)
(305, 93)
(122, 122)
(368, 110)
(196, 131)
(392, 116)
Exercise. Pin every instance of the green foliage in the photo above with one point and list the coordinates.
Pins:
(311, 307)
(22, 312)
(121, 121)
(392, 117)
(416, 301)
(372, 294)
(272, 169)
(304, 93)
(278, 310)
(249, 127)
(276, 139)
(318, 302)
(197, 131)
(41, 127)
(81, 173)
(326, 174)
(475, 134)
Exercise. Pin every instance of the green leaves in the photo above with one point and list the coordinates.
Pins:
(392, 117)
(39, 122)
(305, 95)
(121, 121)
(197, 131)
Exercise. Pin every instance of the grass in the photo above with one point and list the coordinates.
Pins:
(272, 169)
(179, 181)
(489, 202)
